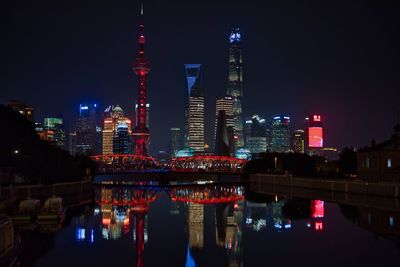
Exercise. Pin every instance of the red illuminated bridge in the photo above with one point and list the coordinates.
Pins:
(118, 163)
(207, 163)
(207, 195)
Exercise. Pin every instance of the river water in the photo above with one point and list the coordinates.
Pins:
(213, 225)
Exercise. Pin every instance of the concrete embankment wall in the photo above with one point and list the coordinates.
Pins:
(73, 193)
(382, 195)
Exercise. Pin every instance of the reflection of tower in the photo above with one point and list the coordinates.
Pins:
(141, 68)
(196, 225)
(139, 213)
(229, 220)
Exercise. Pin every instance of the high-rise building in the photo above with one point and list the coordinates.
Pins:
(86, 139)
(298, 142)
(256, 139)
(141, 67)
(196, 123)
(223, 138)
(314, 133)
(22, 108)
(54, 129)
(226, 104)
(235, 83)
(280, 134)
(72, 143)
(122, 141)
(194, 127)
(114, 117)
(176, 141)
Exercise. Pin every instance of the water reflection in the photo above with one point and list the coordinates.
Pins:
(214, 219)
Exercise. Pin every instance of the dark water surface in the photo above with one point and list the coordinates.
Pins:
(214, 225)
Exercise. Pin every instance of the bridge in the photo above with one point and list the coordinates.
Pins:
(120, 163)
(125, 163)
(207, 164)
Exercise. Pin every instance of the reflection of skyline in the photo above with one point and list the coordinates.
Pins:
(196, 225)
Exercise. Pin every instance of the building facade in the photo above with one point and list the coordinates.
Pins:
(114, 117)
(122, 141)
(298, 142)
(235, 83)
(176, 141)
(256, 138)
(314, 135)
(194, 126)
(55, 131)
(86, 137)
(224, 103)
(381, 162)
(280, 134)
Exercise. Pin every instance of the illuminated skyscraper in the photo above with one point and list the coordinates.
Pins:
(194, 127)
(298, 141)
(122, 141)
(256, 138)
(226, 104)
(113, 117)
(176, 141)
(235, 83)
(141, 67)
(280, 134)
(314, 133)
(54, 130)
(86, 136)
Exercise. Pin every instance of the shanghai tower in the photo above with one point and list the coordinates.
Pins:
(141, 68)
(235, 83)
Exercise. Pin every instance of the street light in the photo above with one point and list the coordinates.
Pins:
(16, 151)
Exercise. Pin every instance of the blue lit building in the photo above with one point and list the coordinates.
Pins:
(280, 134)
(86, 134)
(256, 138)
(122, 141)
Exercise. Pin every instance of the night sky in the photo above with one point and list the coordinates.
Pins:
(340, 60)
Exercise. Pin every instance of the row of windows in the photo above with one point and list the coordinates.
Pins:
(368, 163)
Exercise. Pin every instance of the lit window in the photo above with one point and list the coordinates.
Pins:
(389, 163)
(367, 163)
(391, 221)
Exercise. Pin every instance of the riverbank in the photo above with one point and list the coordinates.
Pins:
(341, 191)
(73, 193)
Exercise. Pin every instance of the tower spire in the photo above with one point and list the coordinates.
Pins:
(141, 68)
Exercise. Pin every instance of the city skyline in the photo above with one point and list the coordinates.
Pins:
(313, 76)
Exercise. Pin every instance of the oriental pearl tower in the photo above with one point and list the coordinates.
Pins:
(141, 68)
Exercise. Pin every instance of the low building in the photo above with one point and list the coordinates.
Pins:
(381, 162)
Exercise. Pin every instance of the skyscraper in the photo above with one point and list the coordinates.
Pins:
(280, 134)
(226, 104)
(235, 83)
(314, 133)
(194, 127)
(176, 141)
(55, 132)
(86, 139)
(141, 68)
(113, 117)
(256, 139)
(122, 141)
(298, 141)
